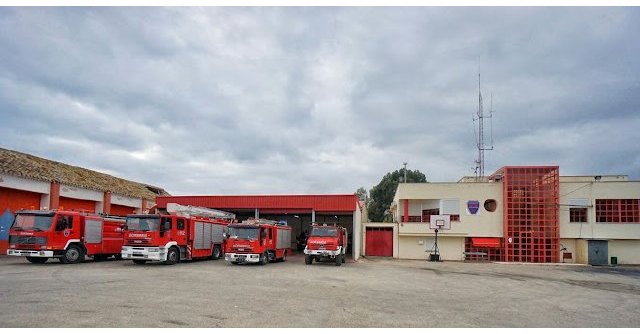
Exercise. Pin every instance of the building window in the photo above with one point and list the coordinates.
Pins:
(490, 205)
(577, 215)
(426, 214)
(617, 210)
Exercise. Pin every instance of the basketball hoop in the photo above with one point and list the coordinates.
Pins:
(438, 223)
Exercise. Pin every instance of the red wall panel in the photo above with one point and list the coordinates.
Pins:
(77, 204)
(18, 199)
(327, 203)
(121, 210)
(379, 241)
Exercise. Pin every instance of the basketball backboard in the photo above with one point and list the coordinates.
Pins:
(440, 222)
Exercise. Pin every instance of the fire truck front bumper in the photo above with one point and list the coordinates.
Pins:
(236, 257)
(322, 252)
(29, 253)
(144, 253)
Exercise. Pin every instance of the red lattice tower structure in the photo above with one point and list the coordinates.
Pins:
(531, 213)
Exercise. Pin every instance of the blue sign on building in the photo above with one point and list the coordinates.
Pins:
(473, 207)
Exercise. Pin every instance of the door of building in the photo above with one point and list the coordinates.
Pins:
(379, 241)
(598, 252)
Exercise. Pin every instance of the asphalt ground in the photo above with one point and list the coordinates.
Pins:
(374, 292)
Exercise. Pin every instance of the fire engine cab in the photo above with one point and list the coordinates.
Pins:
(40, 235)
(326, 243)
(258, 241)
(185, 233)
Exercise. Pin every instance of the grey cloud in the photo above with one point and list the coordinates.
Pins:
(311, 100)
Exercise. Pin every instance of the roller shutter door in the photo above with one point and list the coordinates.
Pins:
(379, 241)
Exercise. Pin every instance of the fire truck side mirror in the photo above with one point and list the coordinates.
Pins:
(123, 227)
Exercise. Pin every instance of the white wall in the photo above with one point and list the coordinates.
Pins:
(126, 201)
(357, 234)
(591, 191)
(81, 193)
(14, 182)
(627, 251)
(419, 247)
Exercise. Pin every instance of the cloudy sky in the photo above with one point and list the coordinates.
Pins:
(318, 100)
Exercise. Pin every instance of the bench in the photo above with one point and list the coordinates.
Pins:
(483, 256)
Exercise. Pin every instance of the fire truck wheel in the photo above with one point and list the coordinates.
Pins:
(264, 259)
(172, 256)
(338, 260)
(343, 260)
(74, 254)
(37, 259)
(139, 261)
(217, 253)
(308, 259)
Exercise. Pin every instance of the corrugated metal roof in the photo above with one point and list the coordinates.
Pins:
(32, 167)
(346, 203)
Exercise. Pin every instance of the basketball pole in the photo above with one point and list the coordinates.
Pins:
(435, 256)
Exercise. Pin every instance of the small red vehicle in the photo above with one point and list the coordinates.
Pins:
(258, 241)
(186, 233)
(40, 235)
(326, 243)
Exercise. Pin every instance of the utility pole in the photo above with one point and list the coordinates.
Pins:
(405, 172)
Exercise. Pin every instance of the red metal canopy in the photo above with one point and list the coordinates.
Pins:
(303, 203)
(486, 242)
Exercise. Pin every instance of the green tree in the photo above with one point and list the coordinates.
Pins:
(362, 194)
(382, 194)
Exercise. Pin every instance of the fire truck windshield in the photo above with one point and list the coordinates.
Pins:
(249, 232)
(324, 232)
(33, 222)
(143, 223)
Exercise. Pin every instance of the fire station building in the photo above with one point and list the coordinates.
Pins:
(299, 211)
(30, 182)
(520, 214)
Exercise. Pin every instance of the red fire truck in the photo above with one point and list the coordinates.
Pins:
(40, 235)
(258, 241)
(326, 243)
(185, 233)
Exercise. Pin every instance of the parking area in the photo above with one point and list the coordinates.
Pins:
(370, 293)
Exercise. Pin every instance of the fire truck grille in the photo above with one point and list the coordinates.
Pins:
(321, 246)
(27, 240)
(137, 241)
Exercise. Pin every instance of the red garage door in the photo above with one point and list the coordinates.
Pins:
(77, 204)
(379, 241)
(121, 210)
(14, 199)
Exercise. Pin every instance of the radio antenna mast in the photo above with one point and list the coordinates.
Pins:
(480, 138)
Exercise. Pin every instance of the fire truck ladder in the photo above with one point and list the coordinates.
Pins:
(196, 211)
(258, 221)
